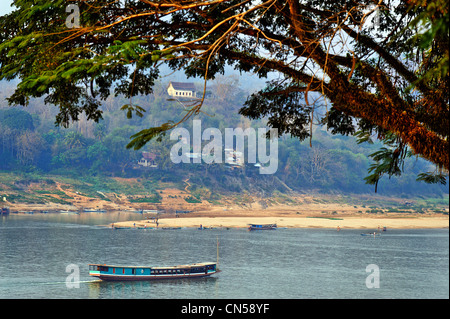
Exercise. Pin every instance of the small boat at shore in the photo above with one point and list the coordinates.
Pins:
(371, 234)
(141, 273)
(203, 227)
(262, 226)
(125, 227)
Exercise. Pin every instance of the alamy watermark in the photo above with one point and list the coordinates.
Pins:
(73, 279)
(373, 14)
(229, 149)
(73, 19)
(373, 279)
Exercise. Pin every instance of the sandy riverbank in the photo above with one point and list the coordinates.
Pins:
(296, 222)
(299, 211)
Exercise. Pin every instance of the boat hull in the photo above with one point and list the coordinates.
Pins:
(150, 277)
(262, 227)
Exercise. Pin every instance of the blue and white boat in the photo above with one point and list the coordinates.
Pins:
(136, 273)
(262, 226)
(371, 234)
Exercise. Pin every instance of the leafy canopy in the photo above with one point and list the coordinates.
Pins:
(375, 69)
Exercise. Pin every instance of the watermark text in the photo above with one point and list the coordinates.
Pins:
(231, 150)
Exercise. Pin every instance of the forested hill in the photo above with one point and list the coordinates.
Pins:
(31, 144)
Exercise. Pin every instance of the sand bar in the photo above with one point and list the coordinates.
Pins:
(296, 222)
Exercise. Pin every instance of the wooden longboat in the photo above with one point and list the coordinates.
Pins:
(122, 273)
(262, 227)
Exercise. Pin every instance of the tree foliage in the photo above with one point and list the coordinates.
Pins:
(380, 67)
(89, 150)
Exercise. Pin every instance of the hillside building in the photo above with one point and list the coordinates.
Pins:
(182, 90)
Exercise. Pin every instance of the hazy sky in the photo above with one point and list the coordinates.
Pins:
(5, 6)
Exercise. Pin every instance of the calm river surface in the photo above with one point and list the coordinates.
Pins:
(285, 263)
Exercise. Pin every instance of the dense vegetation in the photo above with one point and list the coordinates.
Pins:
(380, 66)
(31, 143)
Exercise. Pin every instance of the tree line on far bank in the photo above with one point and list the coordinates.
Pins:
(30, 142)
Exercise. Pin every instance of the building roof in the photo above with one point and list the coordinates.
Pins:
(149, 155)
(183, 86)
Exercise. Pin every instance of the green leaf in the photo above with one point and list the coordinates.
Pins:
(69, 73)
(41, 88)
(143, 137)
(133, 108)
(432, 178)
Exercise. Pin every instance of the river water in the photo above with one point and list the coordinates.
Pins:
(41, 256)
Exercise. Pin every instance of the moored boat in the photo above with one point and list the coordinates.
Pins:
(203, 227)
(262, 226)
(119, 273)
(125, 227)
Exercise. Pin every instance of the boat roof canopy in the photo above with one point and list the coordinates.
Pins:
(159, 267)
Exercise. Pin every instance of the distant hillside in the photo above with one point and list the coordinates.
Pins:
(31, 144)
(31, 192)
